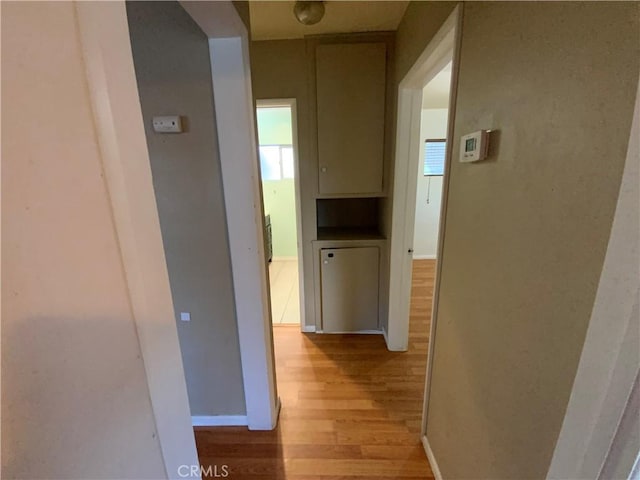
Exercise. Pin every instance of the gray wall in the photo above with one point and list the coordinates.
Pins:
(171, 57)
(526, 230)
(420, 23)
(75, 400)
(242, 7)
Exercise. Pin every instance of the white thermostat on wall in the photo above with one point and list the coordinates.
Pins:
(475, 146)
(167, 124)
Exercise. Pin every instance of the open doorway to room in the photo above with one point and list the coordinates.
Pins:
(433, 140)
(426, 106)
(433, 146)
(281, 200)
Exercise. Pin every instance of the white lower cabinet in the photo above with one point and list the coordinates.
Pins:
(349, 281)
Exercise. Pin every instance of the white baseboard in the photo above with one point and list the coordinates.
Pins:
(432, 459)
(273, 423)
(424, 257)
(312, 329)
(386, 339)
(393, 348)
(219, 420)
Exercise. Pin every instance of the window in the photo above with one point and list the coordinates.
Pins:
(276, 162)
(286, 158)
(270, 162)
(434, 153)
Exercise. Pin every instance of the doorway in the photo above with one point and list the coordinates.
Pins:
(433, 141)
(430, 176)
(426, 103)
(277, 132)
(409, 162)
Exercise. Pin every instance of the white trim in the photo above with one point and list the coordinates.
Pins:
(298, 193)
(635, 472)
(432, 458)
(624, 453)
(104, 35)
(610, 356)
(237, 141)
(456, 26)
(1, 268)
(424, 257)
(245, 222)
(401, 245)
(224, 22)
(308, 328)
(274, 103)
(219, 420)
(435, 56)
(293, 105)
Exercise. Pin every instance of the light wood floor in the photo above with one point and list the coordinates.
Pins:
(285, 291)
(350, 408)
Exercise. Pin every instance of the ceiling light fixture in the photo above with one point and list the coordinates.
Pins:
(309, 12)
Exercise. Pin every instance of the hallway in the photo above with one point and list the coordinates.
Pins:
(350, 408)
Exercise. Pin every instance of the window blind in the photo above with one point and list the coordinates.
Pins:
(434, 153)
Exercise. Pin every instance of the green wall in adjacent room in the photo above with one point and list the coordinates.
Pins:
(274, 128)
(279, 202)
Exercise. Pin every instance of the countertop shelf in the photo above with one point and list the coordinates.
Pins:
(349, 233)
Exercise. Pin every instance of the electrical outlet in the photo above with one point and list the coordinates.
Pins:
(167, 124)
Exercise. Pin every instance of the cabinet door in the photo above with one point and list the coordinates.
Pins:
(349, 289)
(350, 110)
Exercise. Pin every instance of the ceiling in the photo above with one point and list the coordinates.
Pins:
(436, 92)
(272, 20)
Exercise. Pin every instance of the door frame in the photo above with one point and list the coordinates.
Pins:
(113, 92)
(292, 104)
(440, 50)
(444, 47)
(238, 146)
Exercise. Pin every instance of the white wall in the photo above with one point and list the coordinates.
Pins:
(425, 238)
(75, 400)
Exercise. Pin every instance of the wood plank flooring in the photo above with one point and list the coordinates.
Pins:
(350, 408)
